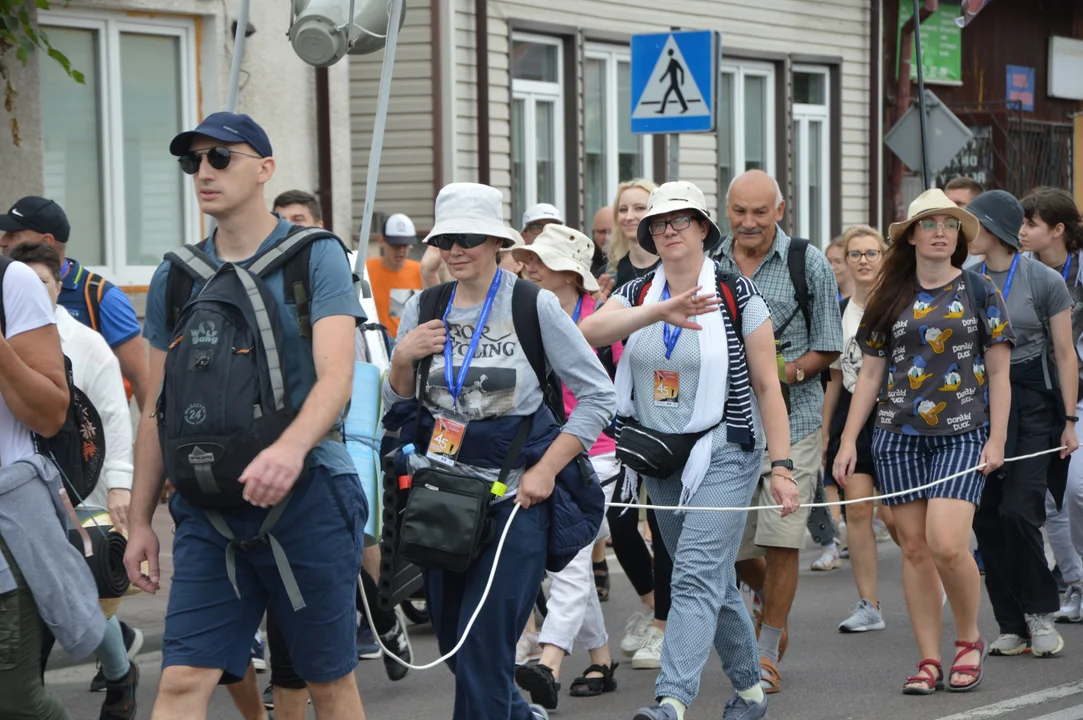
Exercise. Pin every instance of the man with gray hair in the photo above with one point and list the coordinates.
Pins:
(799, 287)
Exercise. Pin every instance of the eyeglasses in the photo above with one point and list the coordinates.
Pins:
(463, 240)
(931, 225)
(657, 227)
(534, 228)
(218, 157)
(856, 255)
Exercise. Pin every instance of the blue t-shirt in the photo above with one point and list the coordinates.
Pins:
(117, 321)
(331, 283)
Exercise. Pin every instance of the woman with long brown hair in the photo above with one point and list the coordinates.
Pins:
(937, 344)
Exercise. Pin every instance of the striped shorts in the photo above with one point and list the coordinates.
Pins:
(904, 462)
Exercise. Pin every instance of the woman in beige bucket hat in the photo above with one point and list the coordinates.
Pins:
(940, 362)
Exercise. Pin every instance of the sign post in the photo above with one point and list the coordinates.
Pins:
(926, 174)
(674, 85)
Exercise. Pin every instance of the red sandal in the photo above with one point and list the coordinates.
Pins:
(932, 683)
(974, 671)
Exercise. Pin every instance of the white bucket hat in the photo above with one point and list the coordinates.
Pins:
(542, 211)
(935, 202)
(562, 249)
(470, 209)
(670, 197)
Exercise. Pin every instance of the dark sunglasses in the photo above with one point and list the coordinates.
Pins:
(463, 240)
(218, 157)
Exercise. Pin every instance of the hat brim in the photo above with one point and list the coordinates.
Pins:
(472, 226)
(969, 230)
(183, 142)
(8, 223)
(560, 263)
(995, 227)
(399, 240)
(643, 233)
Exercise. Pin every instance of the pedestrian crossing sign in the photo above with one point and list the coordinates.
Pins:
(674, 76)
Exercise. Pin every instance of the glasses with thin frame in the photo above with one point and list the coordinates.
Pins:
(856, 255)
(218, 158)
(931, 225)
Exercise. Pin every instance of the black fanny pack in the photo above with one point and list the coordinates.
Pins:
(654, 453)
(446, 524)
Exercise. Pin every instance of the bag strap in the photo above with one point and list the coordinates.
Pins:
(431, 305)
(975, 290)
(795, 263)
(4, 262)
(727, 290)
(93, 291)
(189, 265)
(843, 304)
(266, 334)
(516, 447)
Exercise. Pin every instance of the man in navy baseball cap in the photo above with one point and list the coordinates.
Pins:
(228, 128)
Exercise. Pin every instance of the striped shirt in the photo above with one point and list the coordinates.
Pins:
(739, 412)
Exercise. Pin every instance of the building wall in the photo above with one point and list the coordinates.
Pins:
(277, 89)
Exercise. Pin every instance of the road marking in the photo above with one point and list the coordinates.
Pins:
(1075, 713)
(1023, 701)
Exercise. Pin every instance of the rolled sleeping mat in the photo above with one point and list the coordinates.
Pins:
(107, 562)
(362, 427)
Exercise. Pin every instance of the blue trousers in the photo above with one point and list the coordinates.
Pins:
(484, 668)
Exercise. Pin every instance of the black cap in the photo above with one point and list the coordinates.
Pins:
(38, 214)
(228, 128)
(999, 213)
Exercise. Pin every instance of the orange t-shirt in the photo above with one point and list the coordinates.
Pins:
(392, 289)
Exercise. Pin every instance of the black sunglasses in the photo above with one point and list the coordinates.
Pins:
(463, 240)
(218, 157)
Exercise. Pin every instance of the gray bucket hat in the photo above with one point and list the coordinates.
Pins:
(1000, 213)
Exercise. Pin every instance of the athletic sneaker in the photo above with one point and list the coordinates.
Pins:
(864, 616)
(539, 712)
(879, 529)
(740, 709)
(636, 631)
(398, 643)
(1045, 641)
(828, 560)
(258, 658)
(133, 643)
(649, 656)
(527, 649)
(844, 553)
(1071, 611)
(120, 697)
(367, 648)
(656, 712)
(1009, 644)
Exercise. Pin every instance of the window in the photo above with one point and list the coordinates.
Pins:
(811, 206)
(613, 153)
(537, 125)
(746, 123)
(106, 156)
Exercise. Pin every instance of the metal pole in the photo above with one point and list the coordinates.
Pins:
(925, 174)
(673, 166)
(382, 100)
(238, 51)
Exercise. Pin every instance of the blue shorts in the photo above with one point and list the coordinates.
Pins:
(322, 533)
(905, 462)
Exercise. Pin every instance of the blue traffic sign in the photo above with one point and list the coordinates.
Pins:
(674, 77)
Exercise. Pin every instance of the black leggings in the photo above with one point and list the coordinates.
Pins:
(282, 672)
(635, 559)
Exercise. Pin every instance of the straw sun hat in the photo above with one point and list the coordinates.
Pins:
(935, 202)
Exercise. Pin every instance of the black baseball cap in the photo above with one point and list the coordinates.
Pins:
(38, 214)
(1000, 213)
(228, 128)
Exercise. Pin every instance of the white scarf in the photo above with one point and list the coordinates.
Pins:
(710, 400)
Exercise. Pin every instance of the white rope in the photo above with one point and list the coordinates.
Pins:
(515, 511)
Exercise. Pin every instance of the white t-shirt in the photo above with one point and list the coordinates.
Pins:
(26, 307)
(849, 362)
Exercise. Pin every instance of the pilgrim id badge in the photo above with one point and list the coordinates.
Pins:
(447, 439)
(665, 388)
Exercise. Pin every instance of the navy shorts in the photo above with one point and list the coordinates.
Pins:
(905, 462)
(322, 533)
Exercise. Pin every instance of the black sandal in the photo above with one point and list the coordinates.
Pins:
(584, 686)
(601, 580)
(538, 680)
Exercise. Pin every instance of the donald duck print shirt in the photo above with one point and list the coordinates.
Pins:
(936, 369)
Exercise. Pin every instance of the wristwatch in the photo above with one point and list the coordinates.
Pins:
(799, 375)
(786, 464)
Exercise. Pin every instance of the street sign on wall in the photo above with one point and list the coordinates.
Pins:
(673, 81)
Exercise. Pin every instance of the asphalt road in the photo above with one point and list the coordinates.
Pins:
(826, 675)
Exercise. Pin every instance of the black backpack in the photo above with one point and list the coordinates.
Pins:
(78, 448)
(224, 395)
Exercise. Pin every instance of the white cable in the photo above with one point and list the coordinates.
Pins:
(515, 510)
(469, 625)
(838, 503)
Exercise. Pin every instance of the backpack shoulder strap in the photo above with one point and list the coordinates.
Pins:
(975, 291)
(93, 292)
(431, 304)
(188, 267)
(727, 290)
(4, 262)
(795, 261)
(524, 313)
(843, 304)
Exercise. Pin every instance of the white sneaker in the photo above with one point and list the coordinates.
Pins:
(1072, 609)
(1009, 645)
(636, 631)
(649, 657)
(1045, 641)
(828, 560)
(527, 649)
(879, 529)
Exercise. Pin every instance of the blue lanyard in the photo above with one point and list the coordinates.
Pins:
(1011, 276)
(1067, 267)
(578, 309)
(456, 387)
(669, 335)
(840, 295)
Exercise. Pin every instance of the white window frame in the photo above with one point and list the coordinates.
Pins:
(739, 70)
(531, 92)
(109, 27)
(803, 114)
(612, 55)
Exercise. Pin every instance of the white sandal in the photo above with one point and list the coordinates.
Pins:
(828, 560)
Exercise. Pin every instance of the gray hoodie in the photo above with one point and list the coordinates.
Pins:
(33, 524)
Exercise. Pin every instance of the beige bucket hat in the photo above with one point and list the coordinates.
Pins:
(560, 249)
(670, 197)
(935, 202)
